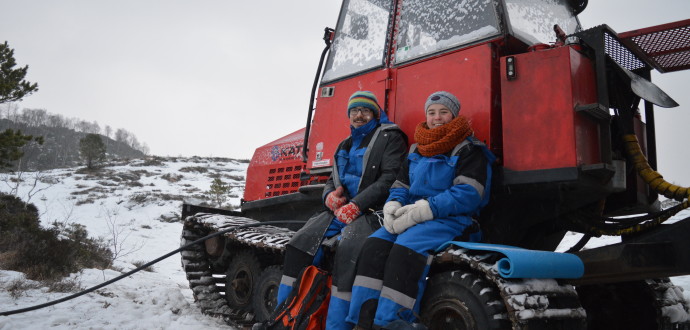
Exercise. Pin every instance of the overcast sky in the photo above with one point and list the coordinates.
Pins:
(220, 78)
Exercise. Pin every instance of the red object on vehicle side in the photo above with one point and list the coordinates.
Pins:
(275, 168)
(541, 130)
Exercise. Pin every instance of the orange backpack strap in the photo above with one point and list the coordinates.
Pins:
(316, 295)
(307, 305)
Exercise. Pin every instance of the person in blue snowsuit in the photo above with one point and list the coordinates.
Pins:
(366, 165)
(444, 183)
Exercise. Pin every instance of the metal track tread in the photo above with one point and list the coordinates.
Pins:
(530, 303)
(197, 267)
(269, 238)
(201, 281)
(669, 300)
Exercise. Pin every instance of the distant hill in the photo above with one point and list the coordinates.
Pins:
(61, 147)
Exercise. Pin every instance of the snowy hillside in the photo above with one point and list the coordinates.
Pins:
(140, 203)
(137, 204)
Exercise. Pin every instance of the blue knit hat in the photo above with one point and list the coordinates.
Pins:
(364, 99)
(447, 99)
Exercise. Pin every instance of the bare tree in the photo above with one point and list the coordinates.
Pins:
(10, 111)
(119, 234)
(71, 123)
(94, 128)
(4, 109)
(55, 120)
(14, 180)
(108, 130)
(33, 117)
(26, 117)
(121, 135)
(145, 149)
(41, 115)
(134, 142)
(83, 126)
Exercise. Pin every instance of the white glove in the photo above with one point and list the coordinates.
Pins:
(410, 215)
(388, 214)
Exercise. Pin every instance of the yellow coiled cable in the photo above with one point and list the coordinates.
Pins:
(656, 182)
(653, 178)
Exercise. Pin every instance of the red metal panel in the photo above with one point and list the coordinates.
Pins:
(331, 123)
(540, 127)
(467, 74)
(584, 91)
(275, 168)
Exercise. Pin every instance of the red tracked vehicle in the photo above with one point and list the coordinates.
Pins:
(563, 109)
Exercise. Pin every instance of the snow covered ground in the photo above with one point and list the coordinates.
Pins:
(141, 201)
(146, 300)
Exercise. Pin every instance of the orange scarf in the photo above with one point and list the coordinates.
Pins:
(442, 139)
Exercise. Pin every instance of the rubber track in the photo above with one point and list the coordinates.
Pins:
(530, 303)
(674, 310)
(201, 281)
(198, 269)
(267, 238)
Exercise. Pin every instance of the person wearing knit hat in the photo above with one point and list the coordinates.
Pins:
(365, 166)
(442, 185)
(444, 98)
(364, 100)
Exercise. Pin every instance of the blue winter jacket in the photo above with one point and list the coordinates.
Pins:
(456, 184)
(367, 163)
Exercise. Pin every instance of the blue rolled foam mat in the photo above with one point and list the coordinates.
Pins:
(524, 263)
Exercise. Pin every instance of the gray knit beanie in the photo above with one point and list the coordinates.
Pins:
(445, 98)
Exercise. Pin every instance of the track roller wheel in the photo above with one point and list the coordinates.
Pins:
(241, 276)
(463, 300)
(215, 246)
(265, 292)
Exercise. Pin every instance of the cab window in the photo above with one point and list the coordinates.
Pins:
(431, 26)
(532, 21)
(360, 38)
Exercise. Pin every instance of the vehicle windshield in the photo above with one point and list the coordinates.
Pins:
(430, 26)
(360, 38)
(532, 21)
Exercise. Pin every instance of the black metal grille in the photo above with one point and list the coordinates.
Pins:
(621, 54)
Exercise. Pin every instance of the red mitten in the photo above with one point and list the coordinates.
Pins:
(348, 213)
(335, 199)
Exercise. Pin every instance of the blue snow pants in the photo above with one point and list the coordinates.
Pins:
(390, 283)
